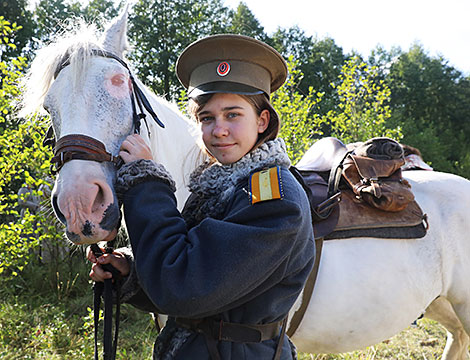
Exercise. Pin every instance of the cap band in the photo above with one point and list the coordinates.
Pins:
(240, 72)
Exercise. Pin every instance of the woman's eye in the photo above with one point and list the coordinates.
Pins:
(205, 119)
(232, 115)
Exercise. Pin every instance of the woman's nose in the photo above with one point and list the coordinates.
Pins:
(220, 129)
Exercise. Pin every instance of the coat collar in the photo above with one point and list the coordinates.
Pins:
(212, 185)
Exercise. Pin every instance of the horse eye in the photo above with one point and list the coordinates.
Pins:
(117, 80)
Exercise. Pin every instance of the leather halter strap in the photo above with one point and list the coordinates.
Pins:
(81, 147)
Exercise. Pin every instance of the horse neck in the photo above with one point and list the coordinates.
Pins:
(176, 145)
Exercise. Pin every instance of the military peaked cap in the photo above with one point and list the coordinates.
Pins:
(229, 63)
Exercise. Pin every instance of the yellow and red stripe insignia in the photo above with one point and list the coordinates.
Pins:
(266, 185)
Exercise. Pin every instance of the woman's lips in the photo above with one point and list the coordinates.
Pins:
(223, 146)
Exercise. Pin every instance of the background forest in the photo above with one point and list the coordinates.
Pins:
(44, 289)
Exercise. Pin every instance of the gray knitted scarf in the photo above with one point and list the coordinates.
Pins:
(212, 185)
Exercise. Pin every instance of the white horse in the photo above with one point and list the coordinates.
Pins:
(367, 289)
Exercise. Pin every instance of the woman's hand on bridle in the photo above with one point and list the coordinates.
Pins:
(116, 259)
(135, 148)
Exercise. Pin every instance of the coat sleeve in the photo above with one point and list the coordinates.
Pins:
(218, 264)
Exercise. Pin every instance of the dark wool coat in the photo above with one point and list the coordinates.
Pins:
(243, 263)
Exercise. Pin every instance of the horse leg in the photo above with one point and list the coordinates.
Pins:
(456, 348)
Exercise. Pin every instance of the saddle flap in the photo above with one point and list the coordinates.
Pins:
(359, 219)
(317, 191)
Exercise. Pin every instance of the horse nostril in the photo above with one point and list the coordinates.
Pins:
(98, 203)
(57, 212)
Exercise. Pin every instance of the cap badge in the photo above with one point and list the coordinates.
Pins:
(223, 69)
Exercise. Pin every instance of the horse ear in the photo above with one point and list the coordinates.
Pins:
(115, 36)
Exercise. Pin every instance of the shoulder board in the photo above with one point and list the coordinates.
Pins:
(266, 185)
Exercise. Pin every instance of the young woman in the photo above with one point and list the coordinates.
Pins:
(230, 266)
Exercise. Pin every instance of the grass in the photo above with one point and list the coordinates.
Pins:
(44, 315)
(47, 316)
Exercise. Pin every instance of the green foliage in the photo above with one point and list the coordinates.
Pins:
(363, 108)
(23, 162)
(100, 11)
(52, 15)
(159, 31)
(294, 109)
(15, 11)
(11, 69)
(245, 23)
(319, 60)
(430, 102)
(38, 324)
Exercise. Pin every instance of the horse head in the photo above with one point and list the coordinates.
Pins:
(91, 97)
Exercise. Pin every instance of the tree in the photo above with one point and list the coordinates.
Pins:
(15, 11)
(161, 29)
(51, 17)
(23, 160)
(245, 23)
(298, 126)
(324, 68)
(293, 42)
(363, 109)
(430, 102)
(99, 12)
(320, 61)
(10, 71)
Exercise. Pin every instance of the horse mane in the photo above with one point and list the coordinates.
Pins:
(76, 45)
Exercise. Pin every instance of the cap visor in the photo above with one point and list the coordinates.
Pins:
(224, 87)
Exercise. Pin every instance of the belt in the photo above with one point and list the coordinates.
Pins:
(219, 330)
(225, 331)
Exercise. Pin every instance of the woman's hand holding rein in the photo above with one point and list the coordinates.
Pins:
(116, 259)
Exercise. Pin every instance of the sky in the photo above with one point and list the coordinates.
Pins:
(441, 27)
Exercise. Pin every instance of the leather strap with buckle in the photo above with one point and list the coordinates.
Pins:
(219, 330)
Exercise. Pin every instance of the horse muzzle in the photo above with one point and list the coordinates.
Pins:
(87, 230)
(84, 201)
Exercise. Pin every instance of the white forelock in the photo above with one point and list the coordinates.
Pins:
(76, 45)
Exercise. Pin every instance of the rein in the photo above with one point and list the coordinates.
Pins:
(105, 290)
(83, 147)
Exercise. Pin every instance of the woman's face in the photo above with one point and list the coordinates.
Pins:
(230, 126)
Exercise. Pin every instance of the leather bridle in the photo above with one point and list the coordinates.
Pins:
(83, 147)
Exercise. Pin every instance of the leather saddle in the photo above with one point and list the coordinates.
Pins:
(358, 190)
(355, 191)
